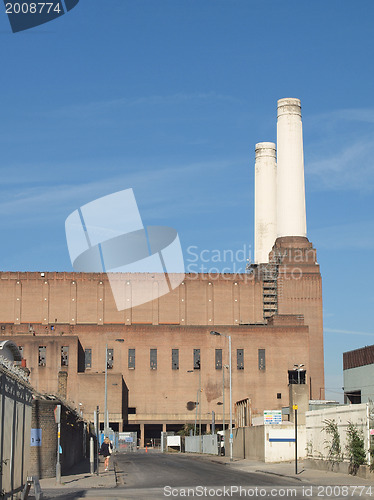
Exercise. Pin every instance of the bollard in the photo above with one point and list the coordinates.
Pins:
(91, 455)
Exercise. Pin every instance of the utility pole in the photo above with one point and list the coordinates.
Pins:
(230, 368)
(106, 393)
(294, 407)
(200, 403)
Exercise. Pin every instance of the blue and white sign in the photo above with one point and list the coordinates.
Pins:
(36, 437)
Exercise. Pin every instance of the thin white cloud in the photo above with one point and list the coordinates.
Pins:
(355, 235)
(341, 150)
(162, 190)
(348, 332)
(95, 107)
(365, 115)
(350, 168)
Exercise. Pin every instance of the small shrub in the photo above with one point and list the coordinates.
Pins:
(334, 449)
(355, 447)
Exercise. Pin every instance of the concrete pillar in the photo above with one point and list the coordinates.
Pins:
(142, 437)
(265, 201)
(291, 215)
(207, 428)
(163, 427)
(298, 395)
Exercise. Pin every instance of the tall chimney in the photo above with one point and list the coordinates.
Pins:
(265, 201)
(291, 216)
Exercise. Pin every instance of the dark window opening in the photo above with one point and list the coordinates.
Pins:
(110, 359)
(131, 360)
(279, 395)
(175, 359)
(153, 359)
(65, 356)
(296, 376)
(240, 359)
(131, 410)
(352, 397)
(261, 359)
(42, 355)
(87, 358)
(196, 359)
(218, 359)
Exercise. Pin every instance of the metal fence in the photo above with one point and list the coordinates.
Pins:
(127, 441)
(15, 431)
(202, 444)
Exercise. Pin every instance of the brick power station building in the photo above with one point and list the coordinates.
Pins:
(160, 352)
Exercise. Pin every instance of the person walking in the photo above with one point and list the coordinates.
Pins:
(106, 450)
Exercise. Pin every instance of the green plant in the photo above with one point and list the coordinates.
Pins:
(355, 447)
(185, 431)
(334, 449)
(309, 448)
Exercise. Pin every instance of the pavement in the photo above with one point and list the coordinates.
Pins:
(79, 477)
(287, 469)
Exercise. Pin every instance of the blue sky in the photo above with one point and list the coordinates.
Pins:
(169, 97)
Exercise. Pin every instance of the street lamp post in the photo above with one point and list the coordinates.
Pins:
(230, 371)
(106, 392)
(200, 404)
(106, 422)
(223, 395)
(197, 404)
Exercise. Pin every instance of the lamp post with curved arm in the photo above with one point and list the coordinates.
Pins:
(230, 370)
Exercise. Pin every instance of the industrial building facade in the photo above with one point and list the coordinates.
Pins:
(161, 353)
(358, 371)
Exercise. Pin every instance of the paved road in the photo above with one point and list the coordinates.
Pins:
(160, 476)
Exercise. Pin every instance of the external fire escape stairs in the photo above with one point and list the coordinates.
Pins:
(269, 273)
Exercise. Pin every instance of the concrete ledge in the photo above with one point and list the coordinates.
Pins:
(341, 467)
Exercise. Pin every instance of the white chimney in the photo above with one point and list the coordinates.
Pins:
(291, 215)
(265, 201)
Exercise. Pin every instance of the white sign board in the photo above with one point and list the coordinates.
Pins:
(272, 417)
(174, 441)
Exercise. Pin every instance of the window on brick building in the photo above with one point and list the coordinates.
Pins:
(196, 359)
(240, 359)
(261, 359)
(110, 359)
(296, 376)
(153, 359)
(131, 361)
(218, 359)
(88, 358)
(64, 356)
(175, 359)
(42, 355)
(131, 410)
(279, 395)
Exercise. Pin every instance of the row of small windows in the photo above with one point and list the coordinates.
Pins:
(42, 359)
(42, 355)
(175, 359)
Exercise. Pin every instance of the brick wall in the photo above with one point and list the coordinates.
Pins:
(43, 458)
(86, 298)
